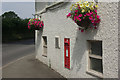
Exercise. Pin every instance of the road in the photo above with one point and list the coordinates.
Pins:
(15, 50)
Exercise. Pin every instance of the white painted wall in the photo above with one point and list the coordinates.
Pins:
(56, 24)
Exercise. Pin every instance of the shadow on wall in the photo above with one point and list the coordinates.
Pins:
(38, 43)
(80, 47)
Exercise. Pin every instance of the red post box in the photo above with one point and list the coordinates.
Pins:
(67, 53)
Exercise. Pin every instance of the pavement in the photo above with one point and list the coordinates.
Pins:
(28, 67)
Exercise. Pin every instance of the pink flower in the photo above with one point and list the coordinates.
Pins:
(92, 21)
(74, 18)
(96, 11)
(94, 15)
(88, 14)
(75, 14)
(90, 18)
(40, 25)
(80, 15)
(76, 11)
(91, 13)
(98, 17)
(28, 27)
(85, 15)
(98, 21)
(69, 15)
(35, 22)
(29, 22)
(78, 18)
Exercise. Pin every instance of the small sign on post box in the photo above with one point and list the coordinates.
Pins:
(67, 53)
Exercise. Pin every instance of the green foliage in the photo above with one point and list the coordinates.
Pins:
(14, 28)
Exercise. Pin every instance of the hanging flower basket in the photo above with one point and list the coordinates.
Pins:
(84, 14)
(83, 24)
(35, 24)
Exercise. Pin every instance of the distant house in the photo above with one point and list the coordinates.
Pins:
(76, 54)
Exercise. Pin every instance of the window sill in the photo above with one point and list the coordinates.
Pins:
(95, 73)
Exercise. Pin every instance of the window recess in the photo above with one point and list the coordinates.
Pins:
(57, 42)
(44, 46)
(95, 66)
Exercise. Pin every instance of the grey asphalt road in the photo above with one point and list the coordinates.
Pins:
(15, 50)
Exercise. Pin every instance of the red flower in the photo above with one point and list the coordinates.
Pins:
(95, 27)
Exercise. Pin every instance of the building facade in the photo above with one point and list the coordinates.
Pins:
(76, 54)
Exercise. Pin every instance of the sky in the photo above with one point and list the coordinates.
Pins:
(22, 9)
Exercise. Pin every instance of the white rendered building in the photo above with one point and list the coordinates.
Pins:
(76, 54)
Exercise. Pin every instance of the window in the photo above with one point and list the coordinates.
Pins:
(95, 66)
(45, 46)
(57, 42)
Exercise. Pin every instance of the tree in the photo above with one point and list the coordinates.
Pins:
(10, 15)
(13, 27)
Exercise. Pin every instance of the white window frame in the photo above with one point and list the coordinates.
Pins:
(91, 71)
(57, 47)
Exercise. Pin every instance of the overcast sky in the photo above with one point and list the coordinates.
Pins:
(23, 9)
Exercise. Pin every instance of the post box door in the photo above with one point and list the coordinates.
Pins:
(67, 53)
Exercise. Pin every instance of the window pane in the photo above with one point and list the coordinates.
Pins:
(45, 40)
(96, 64)
(56, 42)
(96, 48)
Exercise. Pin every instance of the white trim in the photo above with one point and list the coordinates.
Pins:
(95, 56)
(95, 73)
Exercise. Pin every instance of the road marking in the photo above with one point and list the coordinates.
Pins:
(15, 61)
